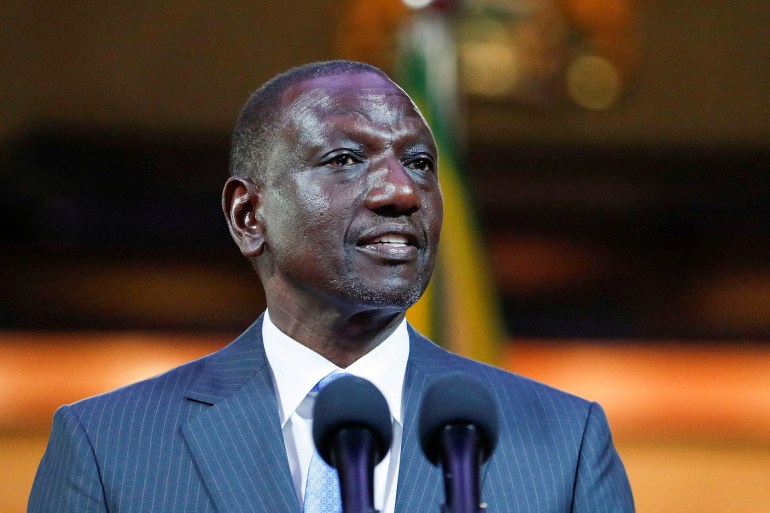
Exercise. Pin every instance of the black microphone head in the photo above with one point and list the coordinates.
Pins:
(457, 399)
(350, 402)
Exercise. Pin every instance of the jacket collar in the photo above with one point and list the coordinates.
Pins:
(229, 368)
(420, 485)
(237, 442)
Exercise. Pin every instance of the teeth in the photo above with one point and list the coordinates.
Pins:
(392, 239)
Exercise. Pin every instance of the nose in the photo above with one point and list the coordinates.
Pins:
(391, 191)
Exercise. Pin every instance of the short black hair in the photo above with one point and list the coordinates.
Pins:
(257, 118)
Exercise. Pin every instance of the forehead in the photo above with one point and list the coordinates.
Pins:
(364, 96)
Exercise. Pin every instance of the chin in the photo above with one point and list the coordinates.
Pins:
(396, 298)
(372, 289)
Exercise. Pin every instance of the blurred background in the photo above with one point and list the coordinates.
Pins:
(607, 169)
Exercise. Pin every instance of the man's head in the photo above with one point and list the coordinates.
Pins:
(335, 194)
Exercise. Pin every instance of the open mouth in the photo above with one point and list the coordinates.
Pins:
(391, 239)
(392, 246)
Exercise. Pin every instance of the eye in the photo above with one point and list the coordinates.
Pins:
(342, 160)
(421, 164)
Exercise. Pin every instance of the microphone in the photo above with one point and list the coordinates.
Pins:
(458, 430)
(352, 432)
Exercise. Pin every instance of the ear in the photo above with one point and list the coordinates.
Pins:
(242, 206)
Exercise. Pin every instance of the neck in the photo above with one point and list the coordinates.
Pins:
(341, 338)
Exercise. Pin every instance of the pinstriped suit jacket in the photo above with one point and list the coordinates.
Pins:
(205, 437)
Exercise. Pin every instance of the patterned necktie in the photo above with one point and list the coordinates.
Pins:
(322, 490)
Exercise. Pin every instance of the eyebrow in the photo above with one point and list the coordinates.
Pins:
(422, 138)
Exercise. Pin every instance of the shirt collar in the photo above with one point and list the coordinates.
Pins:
(296, 369)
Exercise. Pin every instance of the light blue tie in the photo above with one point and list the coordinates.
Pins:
(322, 490)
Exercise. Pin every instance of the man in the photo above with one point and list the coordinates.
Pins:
(334, 196)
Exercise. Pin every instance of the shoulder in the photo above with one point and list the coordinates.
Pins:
(537, 422)
(217, 373)
(515, 394)
(161, 390)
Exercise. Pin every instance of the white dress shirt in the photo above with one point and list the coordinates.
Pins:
(295, 371)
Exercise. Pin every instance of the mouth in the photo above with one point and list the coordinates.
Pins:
(391, 245)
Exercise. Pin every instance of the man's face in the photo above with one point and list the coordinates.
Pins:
(352, 206)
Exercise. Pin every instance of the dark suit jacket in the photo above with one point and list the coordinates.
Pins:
(205, 437)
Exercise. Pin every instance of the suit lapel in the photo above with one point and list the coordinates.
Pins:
(237, 442)
(420, 486)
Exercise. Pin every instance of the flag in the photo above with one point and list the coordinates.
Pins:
(460, 309)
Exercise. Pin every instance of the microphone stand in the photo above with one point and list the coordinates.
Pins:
(354, 457)
(461, 460)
